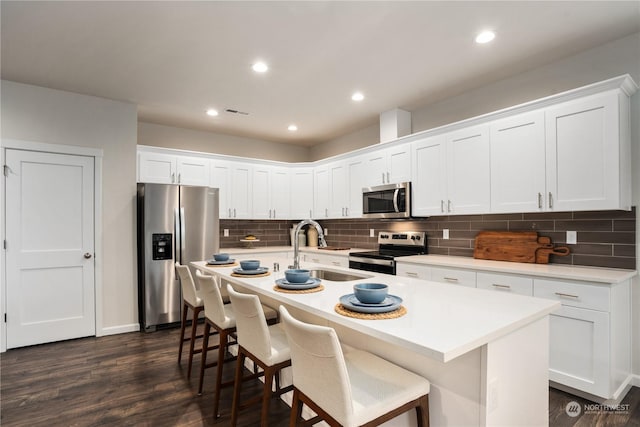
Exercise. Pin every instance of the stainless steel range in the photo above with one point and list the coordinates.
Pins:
(391, 246)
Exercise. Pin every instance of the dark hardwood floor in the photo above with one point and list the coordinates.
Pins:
(134, 380)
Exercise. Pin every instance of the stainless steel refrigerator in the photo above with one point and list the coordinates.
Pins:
(175, 223)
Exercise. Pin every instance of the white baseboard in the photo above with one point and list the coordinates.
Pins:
(120, 329)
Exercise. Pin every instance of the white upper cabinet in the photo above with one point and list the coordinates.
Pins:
(171, 169)
(271, 192)
(301, 193)
(587, 155)
(429, 184)
(518, 163)
(389, 165)
(221, 179)
(468, 171)
(338, 189)
(321, 189)
(241, 197)
(357, 172)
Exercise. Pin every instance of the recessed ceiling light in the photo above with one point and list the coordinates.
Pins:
(292, 128)
(260, 67)
(211, 112)
(485, 37)
(358, 96)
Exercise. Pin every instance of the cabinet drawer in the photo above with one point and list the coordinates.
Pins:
(505, 283)
(336, 261)
(411, 270)
(573, 294)
(454, 276)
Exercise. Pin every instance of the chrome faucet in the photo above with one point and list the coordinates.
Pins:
(296, 243)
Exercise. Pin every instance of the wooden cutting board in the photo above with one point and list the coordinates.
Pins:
(516, 246)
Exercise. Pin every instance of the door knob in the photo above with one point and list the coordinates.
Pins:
(87, 255)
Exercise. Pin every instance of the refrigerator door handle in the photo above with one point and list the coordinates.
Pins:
(182, 233)
(178, 235)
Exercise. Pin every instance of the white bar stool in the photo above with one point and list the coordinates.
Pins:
(190, 300)
(349, 389)
(265, 345)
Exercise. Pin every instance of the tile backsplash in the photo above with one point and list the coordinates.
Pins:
(605, 238)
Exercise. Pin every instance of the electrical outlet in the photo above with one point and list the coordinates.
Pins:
(572, 237)
(372, 232)
(225, 232)
(326, 231)
(445, 234)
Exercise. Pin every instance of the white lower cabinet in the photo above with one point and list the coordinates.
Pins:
(326, 259)
(505, 283)
(413, 270)
(454, 276)
(589, 335)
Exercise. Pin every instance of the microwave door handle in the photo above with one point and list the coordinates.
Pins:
(395, 199)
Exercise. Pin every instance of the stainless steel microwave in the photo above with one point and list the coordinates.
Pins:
(387, 201)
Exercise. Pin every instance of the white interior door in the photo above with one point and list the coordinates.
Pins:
(50, 247)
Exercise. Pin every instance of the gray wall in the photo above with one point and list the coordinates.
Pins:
(37, 114)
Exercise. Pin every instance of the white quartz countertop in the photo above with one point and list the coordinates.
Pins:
(571, 272)
(442, 321)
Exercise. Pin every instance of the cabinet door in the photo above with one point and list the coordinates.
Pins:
(518, 163)
(156, 168)
(579, 349)
(468, 171)
(261, 187)
(583, 145)
(281, 193)
(376, 168)
(339, 190)
(357, 180)
(399, 163)
(192, 171)
(221, 179)
(454, 276)
(301, 197)
(321, 188)
(241, 194)
(429, 182)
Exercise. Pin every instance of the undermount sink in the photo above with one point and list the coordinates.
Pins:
(336, 276)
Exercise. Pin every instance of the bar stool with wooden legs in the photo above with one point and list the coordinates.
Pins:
(221, 317)
(349, 389)
(190, 300)
(266, 346)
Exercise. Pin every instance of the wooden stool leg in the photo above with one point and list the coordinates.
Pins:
(266, 396)
(236, 388)
(192, 343)
(422, 411)
(183, 324)
(296, 409)
(205, 346)
(222, 347)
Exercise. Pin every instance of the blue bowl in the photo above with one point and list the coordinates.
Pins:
(221, 257)
(250, 264)
(370, 293)
(297, 276)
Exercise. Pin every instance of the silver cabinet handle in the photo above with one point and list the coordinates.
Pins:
(310, 213)
(383, 177)
(411, 274)
(173, 178)
(335, 263)
(269, 213)
(342, 211)
(274, 213)
(560, 294)
(229, 212)
(326, 212)
(495, 285)
(442, 206)
(539, 200)
(346, 211)
(234, 212)
(448, 205)
(179, 176)
(87, 255)
(388, 178)
(451, 279)
(550, 200)
(316, 260)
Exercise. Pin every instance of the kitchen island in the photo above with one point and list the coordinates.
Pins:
(485, 353)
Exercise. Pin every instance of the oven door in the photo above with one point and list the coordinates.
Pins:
(387, 201)
(385, 266)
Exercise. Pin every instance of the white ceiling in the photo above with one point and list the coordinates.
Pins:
(176, 59)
